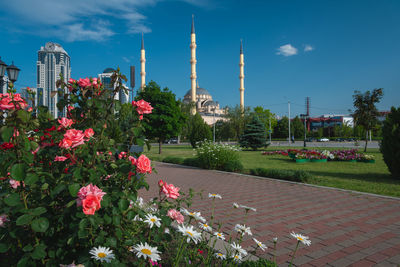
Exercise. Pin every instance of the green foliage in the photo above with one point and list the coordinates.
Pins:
(366, 113)
(266, 117)
(172, 159)
(224, 131)
(254, 135)
(297, 127)
(191, 162)
(167, 118)
(217, 156)
(233, 166)
(258, 263)
(390, 145)
(198, 130)
(238, 119)
(289, 175)
(282, 128)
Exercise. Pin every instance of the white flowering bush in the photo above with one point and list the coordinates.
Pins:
(218, 156)
(328, 155)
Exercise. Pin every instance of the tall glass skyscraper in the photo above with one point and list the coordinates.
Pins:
(105, 79)
(53, 60)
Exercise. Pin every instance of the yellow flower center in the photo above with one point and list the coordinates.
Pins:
(299, 238)
(189, 233)
(205, 225)
(219, 254)
(152, 220)
(219, 234)
(191, 213)
(146, 251)
(101, 255)
(236, 256)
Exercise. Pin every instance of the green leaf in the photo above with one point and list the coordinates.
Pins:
(106, 201)
(117, 220)
(45, 186)
(125, 168)
(107, 219)
(31, 178)
(6, 133)
(24, 219)
(3, 247)
(72, 202)
(40, 225)
(58, 189)
(74, 189)
(23, 115)
(38, 211)
(39, 252)
(118, 233)
(112, 242)
(139, 142)
(123, 204)
(82, 233)
(34, 145)
(83, 224)
(27, 145)
(18, 171)
(27, 248)
(12, 200)
(23, 262)
(77, 173)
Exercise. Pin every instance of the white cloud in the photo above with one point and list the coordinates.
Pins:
(79, 20)
(308, 48)
(287, 50)
(127, 60)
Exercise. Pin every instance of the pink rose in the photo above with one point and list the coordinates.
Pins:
(60, 158)
(70, 108)
(64, 122)
(160, 183)
(142, 107)
(72, 138)
(132, 160)
(71, 80)
(84, 82)
(176, 215)
(170, 190)
(91, 204)
(12, 101)
(90, 189)
(88, 133)
(14, 184)
(30, 109)
(143, 164)
(3, 220)
(122, 155)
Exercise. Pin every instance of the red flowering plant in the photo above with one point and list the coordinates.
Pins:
(63, 189)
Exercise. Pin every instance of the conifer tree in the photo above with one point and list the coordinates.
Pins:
(254, 135)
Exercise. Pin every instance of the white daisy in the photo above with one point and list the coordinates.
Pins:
(205, 227)
(247, 208)
(238, 248)
(219, 235)
(147, 251)
(102, 254)
(196, 215)
(219, 255)
(214, 196)
(166, 230)
(190, 233)
(152, 220)
(301, 238)
(242, 229)
(137, 218)
(260, 245)
(237, 258)
(275, 239)
(236, 205)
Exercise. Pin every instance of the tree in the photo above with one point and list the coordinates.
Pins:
(198, 130)
(166, 119)
(224, 130)
(390, 146)
(254, 135)
(282, 128)
(366, 113)
(238, 119)
(265, 116)
(297, 126)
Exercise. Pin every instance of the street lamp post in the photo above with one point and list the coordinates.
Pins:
(12, 72)
(304, 116)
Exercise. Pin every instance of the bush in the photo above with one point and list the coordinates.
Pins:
(216, 156)
(390, 145)
(289, 175)
(254, 135)
(194, 162)
(174, 160)
(233, 166)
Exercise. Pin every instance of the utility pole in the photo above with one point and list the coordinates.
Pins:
(270, 130)
(214, 128)
(289, 122)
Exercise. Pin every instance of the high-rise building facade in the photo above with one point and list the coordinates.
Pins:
(105, 79)
(52, 61)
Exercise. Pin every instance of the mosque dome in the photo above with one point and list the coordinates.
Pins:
(210, 103)
(199, 91)
(108, 70)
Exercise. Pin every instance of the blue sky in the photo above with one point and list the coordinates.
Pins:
(293, 49)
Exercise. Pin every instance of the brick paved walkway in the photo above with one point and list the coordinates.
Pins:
(346, 229)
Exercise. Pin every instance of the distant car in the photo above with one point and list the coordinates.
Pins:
(311, 139)
(323, 140)
(340, 139)
(173, 140)
(351, 140)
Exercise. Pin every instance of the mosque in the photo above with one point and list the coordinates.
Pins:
(204, 104)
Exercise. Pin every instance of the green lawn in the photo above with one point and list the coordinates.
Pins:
(366, 177)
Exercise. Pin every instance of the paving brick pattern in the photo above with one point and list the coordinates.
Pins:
(346, 228)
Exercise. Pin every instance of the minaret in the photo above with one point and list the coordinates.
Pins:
(142, 66)
(193, 62)
(241, 77)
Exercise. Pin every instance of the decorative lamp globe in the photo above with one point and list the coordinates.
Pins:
(12, 72)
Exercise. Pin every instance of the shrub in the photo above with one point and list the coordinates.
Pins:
(174, 160)
(216, 156)
(233, 166)
(194, 162)
(390, 145)
(289, 175)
